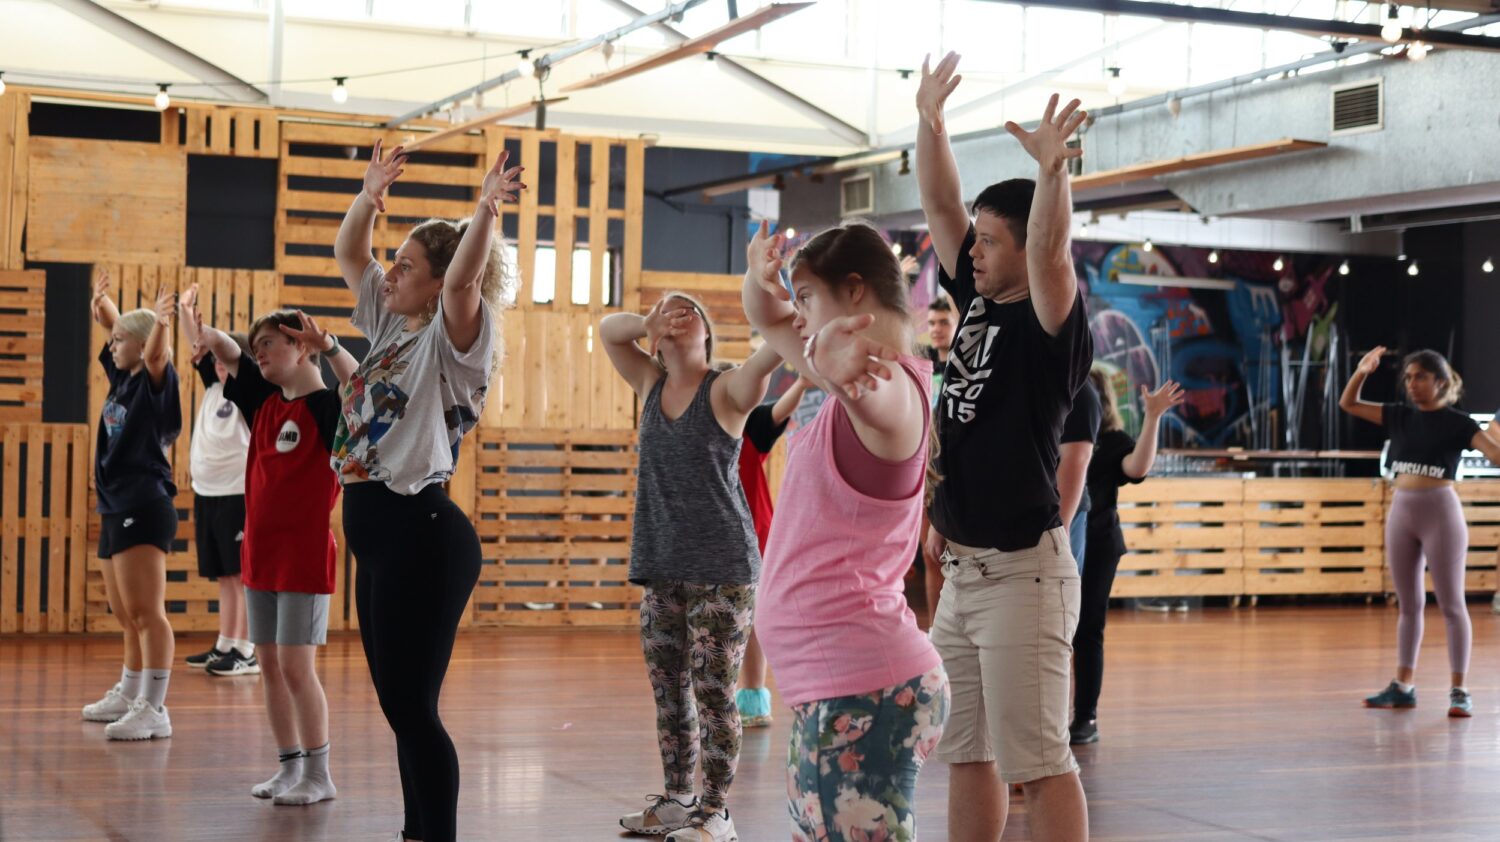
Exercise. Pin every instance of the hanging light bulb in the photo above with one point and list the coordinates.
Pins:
(1413, 270)
(709, 63)
(1279, 264)
(1391, 30)
(162, 99)
(1213, 256)
(1116, 82)
(1147, 246)
(791, 233)
(896, 249)
(1418, 51)
(1083, 230)
(1344, 268)
(1488, 266)
(340, 93)
(2, 83)
(527, 67)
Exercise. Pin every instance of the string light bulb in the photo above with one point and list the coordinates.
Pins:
(163, 99)
(1390, 32)
(1148, 246)
(1083, 230)
(527, 67)
(1279, 264)
(791, 233)
(1116, 82)
(1488, 266)
(340, 93)
(1344, 268)
(1413, 270)
(1213, 256)
(1418, 51)
(896, 249)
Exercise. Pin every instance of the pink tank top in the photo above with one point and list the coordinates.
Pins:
(831, 611)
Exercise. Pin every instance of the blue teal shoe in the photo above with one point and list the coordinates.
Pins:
(755, 707)
(1393, 697)
(1460, 704)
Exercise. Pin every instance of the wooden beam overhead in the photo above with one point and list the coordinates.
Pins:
(1198, 160)
(479, 123)
(693, 46)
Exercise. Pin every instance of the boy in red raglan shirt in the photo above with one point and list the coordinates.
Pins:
(288, 554)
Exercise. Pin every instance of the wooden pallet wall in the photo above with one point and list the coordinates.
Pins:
(23, 304)
(43, 522)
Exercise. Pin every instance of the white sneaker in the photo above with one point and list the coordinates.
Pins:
(108, 709)
(662, 817)
(707, 827)
(143, 722)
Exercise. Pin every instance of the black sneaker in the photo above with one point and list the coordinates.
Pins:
(203, 659)
(1083, 733)
(235, 664)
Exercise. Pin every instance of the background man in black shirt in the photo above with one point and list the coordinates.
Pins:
(1008, 610)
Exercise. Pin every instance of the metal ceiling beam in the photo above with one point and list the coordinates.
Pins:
(1256, 20)
(223, 83)
(729, 66)
(544, 62)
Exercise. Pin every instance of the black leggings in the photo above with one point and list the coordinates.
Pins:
(418, 562)
(1101, 560)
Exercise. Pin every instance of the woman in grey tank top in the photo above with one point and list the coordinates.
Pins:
(694, 551)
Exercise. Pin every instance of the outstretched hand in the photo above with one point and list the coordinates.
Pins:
(764, 258)
(101, 286)
(166, 305)
(1370, 362)
(933, 91)
(1167, 396)
(848, 360)
(192, 318)
(1048, 143)
(500, 184)
(382, 173)
(311, 338)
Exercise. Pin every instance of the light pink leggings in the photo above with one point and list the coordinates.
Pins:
(1429, 522)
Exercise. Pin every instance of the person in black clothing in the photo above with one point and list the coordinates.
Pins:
(1080, 431)
(141, 418)
(1118, 459)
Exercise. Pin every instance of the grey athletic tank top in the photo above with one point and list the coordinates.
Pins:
(692, 523)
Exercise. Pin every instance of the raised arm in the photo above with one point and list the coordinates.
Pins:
(1049, 261)
(102, 306)
(313, 338)
(1137, 464)
(218, 343)
(745, 386)
(621, 332)
(158, 353)
(937, 172)
(789, 400)
(1350, 400)
(352, 248)
(462, 283)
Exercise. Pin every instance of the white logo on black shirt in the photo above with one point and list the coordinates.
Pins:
(971, 363)
(1418, 469)
(287, 439)
(129, 522)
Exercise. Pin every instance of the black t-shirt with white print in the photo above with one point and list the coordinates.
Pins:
(1427, 444)
(1007, 387)
(138, 423)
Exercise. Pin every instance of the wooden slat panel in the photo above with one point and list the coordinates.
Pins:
(41, 528)
(14, 168)
(94, 201)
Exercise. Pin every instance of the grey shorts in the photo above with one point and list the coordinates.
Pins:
(287, 619)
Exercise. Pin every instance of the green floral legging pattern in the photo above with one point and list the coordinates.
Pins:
(694, 638)
(852, 770)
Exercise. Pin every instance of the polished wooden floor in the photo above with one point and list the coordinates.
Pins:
(1217, 724)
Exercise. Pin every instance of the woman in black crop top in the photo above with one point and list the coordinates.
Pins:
(1426, 519)
(1118, 459)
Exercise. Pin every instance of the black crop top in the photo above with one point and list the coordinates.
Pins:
(1427, 444)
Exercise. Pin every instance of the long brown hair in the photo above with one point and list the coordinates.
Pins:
(1109, 405)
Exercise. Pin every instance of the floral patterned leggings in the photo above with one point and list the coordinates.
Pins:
(852, 772)
(694, 638)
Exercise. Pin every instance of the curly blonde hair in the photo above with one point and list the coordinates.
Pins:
(499, 283)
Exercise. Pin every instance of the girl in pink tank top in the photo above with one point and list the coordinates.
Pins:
(868, 692)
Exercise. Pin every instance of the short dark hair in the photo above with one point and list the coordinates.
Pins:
(941, 304)
(1011, 201)
(274, 321)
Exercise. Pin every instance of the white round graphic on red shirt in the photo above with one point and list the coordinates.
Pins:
(287, 439)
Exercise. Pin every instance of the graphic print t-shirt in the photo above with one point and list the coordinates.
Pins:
(1427, 444)
(413, 397)
(138, 423)
(289, 488)
(1006, 390)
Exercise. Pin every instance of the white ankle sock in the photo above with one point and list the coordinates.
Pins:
(244, 647)
(154, 686)
(315, 784)
(287, 773)
(223, 643)
(1462, 689)
(1406, 688)
(130, 683)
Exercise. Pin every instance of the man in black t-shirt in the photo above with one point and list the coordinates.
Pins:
(1006, 617)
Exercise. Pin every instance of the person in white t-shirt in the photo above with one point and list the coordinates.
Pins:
(221, 440)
